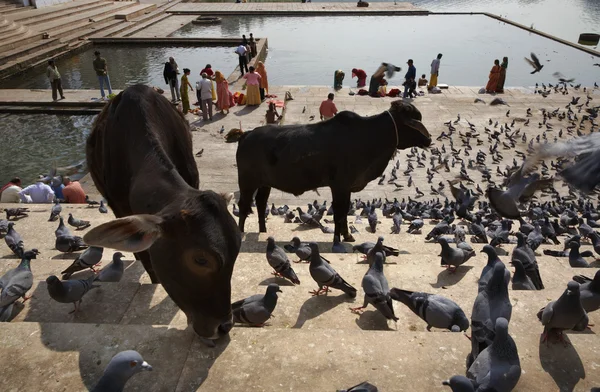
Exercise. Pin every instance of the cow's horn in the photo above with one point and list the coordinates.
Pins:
(418, 126)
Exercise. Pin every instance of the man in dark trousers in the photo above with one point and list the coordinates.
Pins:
(410, 80)
(170, 74)
(241, 52)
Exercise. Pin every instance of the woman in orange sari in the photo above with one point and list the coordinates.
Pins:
(494, 78)
(224, 96)
(264, 82)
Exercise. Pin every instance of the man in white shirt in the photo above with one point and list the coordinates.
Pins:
(204, 94)
(435, 72)
(38, 193)
(241, 52)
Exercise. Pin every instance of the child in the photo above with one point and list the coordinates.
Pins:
(272, 114)
(422, 81)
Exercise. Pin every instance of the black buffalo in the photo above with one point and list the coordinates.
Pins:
(140, 157)
(344, 153)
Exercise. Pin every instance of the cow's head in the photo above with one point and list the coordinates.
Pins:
(193, 244)
(411, 131)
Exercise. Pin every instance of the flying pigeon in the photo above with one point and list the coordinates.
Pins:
(535, 63)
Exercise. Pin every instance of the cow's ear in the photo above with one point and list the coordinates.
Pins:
(134, 233)
(227, 197)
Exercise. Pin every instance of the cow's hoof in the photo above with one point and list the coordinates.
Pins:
(208, 342)
(349, 238)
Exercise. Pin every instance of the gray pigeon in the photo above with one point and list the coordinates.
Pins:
(3, 226)
(337, 246)
(525, 255)
(14, 240)
(69, 291)
(119, 370)
(535, 238)
(280, 262)
(488, 270)
(78, 223)
(69, 243)
(575, 259)
(62, 229)
(325, 275)
(55, 211)
(302, 250)
(453, 257)
(589, 291)
(87, 259)
(114, 271)
(102, 207)
(15, 284)
(362, 387)
(459, 384)
(435, 310)
(257, 309)
(497, 368)
(491, 303)
(415, 226)
(565, 313)
(377, 291)
(520, 280)
(378, 248)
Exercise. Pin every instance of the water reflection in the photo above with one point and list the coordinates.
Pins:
(31, 144)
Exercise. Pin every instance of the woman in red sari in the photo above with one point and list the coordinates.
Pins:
(494, 78)
(361, 75)
(224, 96)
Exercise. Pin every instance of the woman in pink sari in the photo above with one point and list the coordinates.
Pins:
(224, 96)
(494, 78)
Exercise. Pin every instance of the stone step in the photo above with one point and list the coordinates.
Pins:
(141, 26)
(61, 13)
(58, 10)
(23, 62)
(84, 33)
(73, 357)
(16, 32)
(108, 32)
(21, 51)
(135, 11)
(8, 12)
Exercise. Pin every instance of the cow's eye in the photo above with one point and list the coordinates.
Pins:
(201, 261)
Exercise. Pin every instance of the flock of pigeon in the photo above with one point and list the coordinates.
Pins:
(474, 197)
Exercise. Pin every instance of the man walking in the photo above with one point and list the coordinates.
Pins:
(241, 52)
(102, 72)
(170, 74)
(327, 109)
(204, 92)
(409, 80)
(435, 72)
(55, 82)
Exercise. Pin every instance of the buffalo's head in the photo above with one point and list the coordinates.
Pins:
(411, 131)
(193, 244)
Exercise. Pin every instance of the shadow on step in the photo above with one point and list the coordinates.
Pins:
(316, 306)
(562, 363)
(446, 278)
(372, 320)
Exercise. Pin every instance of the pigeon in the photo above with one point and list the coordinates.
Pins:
(69, 243)
(87, 259)
(362, 387)
(365, 247)
(325, 275)
(69, 291)
(119, 370)
(453, 257)
(90, 201)
(441, 228)
(589, 291)
(505, 202)
(415, 226)
(524, 254)
(337, 246)
(302, 250)
(55, 211)
(497, 368)
(113, 272)
(62, 229)
(498, 101)
(14, 240)
(459, 384)
(15, 284)
(377, 291)
(535, 63)
(257, 309)
(16, 212)
(565, 313)
(78, 223)
(102, 208)
(279, 261)
(488, 270)
(378, 248)
(478, 231)
(490, 304)
(520, 280)
(372, 219)
(575, 259)
(435, 310)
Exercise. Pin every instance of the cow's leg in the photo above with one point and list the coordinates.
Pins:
(262, 197)
(144, 257)
(341, 206)
(245, 205)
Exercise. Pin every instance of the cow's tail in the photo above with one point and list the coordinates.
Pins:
(235, 135)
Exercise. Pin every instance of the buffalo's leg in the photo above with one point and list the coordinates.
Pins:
(144, 257)
(262, 197)
(244, 204)
(341, 206)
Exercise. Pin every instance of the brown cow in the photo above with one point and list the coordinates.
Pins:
(140, 157)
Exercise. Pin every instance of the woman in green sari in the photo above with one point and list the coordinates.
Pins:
(503, 67)
(185, 99)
